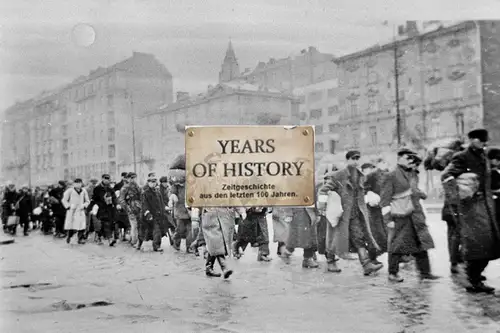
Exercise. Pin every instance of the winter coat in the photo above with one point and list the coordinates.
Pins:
(10, 199)
(254, 228)
(153, 209)
(480, 234)
(281, 224)
(373, 183)
(25, 206)
(180, 210)
(130, 198)
(56, 206)
(218, 230)
(338, 239)
(168, 222)
(106, 210)
(302, 228)
(411, 234)
(495, 186)
(75, 204)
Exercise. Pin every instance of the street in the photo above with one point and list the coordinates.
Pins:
(49, 286)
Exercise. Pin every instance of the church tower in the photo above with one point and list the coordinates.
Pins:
(230, 68)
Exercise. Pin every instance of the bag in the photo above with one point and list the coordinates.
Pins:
(468, 185)
(334, 209)
(13, 220)
(401, 204)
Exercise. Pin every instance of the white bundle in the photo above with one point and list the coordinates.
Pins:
(95, 209)
(372, 199)
(37, 211)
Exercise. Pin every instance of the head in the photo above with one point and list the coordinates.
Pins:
(106, 179)
(152, 182)
(406, 158)
(25, 188)
(94, 182)
(151, 175)
(11, 186)
(164, 181)
(61, 184)
(367, 168)
(352, 158)
(415, 163)
(77, 183)
(132, 177)
(124, 176)
(478, 138)
(381, 164)
(494, 157)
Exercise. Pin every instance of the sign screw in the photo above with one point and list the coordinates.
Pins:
(191, 133)
(305, 132)
(307, 199)
(191, 200)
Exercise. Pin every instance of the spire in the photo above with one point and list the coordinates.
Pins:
(230, 51)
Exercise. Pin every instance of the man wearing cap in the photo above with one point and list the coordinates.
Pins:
(122, 221)
(130, 199)
(479, 230)
(58, 211)
(153, 214)
(105, 199)
(400, 204)
(25, 208)
(353, 231)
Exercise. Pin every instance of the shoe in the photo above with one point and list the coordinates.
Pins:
(395, 278)
(429, 276)
(263, 257)
(227, 273)
(332, 267)
(480, 288)
(482, 278)
(211, 273)
(158, 250)
(81, 241)
(112, 242)
(309, 263)
(454, 269)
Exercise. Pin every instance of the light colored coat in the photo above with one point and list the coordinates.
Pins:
(218, 229)
(75, 204)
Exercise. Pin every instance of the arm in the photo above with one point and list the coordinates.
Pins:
(86, 200)
(145, 204)
(65, 199)
(386, 194)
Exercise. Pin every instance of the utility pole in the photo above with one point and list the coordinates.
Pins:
(29, 153)
(132, 115)
(396, 85)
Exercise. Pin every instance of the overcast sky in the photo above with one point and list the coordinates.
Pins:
(190, 37)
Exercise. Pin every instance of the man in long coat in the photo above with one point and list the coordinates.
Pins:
(121, 215)
(104, 197)
(130, 199)
(353, 232)
(410, 233)
(154, 214)
(479, 230)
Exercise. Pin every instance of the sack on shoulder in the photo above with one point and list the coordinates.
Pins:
(401, 204)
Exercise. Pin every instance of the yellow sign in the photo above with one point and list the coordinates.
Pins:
(248, 166)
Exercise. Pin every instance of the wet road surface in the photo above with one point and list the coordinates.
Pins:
(49, 286)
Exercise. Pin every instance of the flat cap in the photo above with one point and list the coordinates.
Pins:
(406, 151)
(494, 153)
(352, 154)
(131, 174)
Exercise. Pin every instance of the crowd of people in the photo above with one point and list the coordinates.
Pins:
(363, 209)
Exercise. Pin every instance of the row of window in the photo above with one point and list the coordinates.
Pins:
(78, 155)
(90, 170)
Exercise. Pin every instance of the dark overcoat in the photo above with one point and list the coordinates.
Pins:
(338, 238)
(480, 232)
(152, 203)
(106, 212)
(411, 234)
(253, 229)
(373, 183)
(495, 186)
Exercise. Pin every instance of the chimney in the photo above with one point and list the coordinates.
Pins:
(411, 28)
(182, 95)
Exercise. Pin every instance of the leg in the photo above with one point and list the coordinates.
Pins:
(70, 234)
(26, 225)
(209, 267)
(308, 261)
(180, 233)
(189, 235)
(453, 246)
(357, 232)
(157, 235)
(394, 260)
(281, 247)
(133, 228)
(424, 265)
(223, 265)
(474, 270)
(263, 254)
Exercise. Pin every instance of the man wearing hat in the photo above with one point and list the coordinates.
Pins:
(404, 215)
(479, 230)
(153, 214)
(105, 199)
(353, 231)
(58, 210)
(122, 221)
(130, 200)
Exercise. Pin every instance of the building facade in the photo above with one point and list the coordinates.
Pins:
(231, 103)
(442, 79)
(85, 128)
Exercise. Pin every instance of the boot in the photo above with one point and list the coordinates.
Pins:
(395, 278)
(332, 266)
(454, 269)
(480, 287)
(286, 255)
(209, 267)
(139, 245)
(309, 263)
(222, 262)
(263, 257)
(368, 266)
(236, 250)
(315, 257)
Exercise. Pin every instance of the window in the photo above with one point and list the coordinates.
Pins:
(112, 168)
(111, 117)
(315, 114)
(111, 134)
(372, 78)
(65, 144)
(460, 124)
(372, 105)
(111, 151)
(318, 129)
(333, 110)
(353, 106)
(333, 145)
(373, 135)
(458, 90)
(103, 117)
(303, 116)
(436, 126)
(315, 96)
(332, 127)
(318, 146)
(332, 93)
